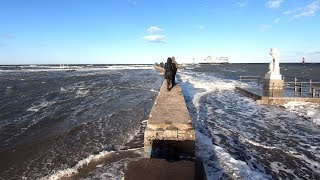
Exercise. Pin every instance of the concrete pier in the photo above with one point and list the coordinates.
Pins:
(169, 142)
(169, 131)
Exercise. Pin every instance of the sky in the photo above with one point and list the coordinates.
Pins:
(149, 31)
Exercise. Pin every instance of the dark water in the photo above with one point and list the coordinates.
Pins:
(89, 123)
(239, 139)
(50, 119)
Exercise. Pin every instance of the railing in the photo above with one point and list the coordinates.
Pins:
(256, 79)
(249, 78)
(301, 86)
(304, 86)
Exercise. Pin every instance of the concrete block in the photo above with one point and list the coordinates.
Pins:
(169, 127)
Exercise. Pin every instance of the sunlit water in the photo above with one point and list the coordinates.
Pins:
(89, 123)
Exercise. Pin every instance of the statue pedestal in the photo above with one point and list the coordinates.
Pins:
(273, 76)
(273, 87)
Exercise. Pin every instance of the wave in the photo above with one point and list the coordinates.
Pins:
(112, 168)
(235, 133)
(73, 170)
(77, 68)
(305, 109)
(218, 162)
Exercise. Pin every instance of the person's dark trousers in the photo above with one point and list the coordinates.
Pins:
(174, 79)
(168, 84)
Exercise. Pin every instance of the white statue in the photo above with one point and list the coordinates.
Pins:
(274, 69)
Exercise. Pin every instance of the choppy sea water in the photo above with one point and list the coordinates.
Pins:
(55, 122)
(89, 123)
(239, 139)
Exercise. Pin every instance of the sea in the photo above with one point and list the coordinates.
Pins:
(87, 121)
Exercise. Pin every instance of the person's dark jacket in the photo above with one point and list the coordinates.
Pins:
(170, 69)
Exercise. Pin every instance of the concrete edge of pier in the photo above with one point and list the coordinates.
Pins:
(169, 141)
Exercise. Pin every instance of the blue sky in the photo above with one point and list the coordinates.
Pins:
(149, 31)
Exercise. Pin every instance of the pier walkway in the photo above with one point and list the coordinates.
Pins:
(169, 141)
(169, 131)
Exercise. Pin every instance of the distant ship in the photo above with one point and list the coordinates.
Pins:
(66, 68)
(215, 60)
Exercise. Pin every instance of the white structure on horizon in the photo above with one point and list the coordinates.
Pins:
(274, 68)
(215, 60)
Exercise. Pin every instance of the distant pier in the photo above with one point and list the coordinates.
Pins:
(169, 141)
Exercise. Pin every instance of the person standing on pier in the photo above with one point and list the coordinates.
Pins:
(169, 73)
(174, 62)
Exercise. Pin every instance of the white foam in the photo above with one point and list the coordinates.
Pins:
(77, 68)
(259, 144)
(43, 104)
(115, 170)
(216, 158)
(202, 94)
(305, 109)
(305, 158)
(130, 67)
(82, 92)
(209, 83)
(144, 121)
(219, 111)
(70, 171)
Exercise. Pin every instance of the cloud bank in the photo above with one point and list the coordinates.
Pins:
(155, 35)
(264, 27)
(3, 44)
(132, 2)
(242, 3)
(154, 29)
(155, 38)
(277, 20)
(6, 36)
(273, 4)
(308, 10)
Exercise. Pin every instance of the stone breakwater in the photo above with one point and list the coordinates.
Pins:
(169, 131)
(169, 141)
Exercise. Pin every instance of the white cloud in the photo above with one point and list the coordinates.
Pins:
(264, 27)
(7, 36)
(155, 38)
(277, 20)
(155, 35)
(201, 27)
(132, 2)
(273, 4)
(309, 10)
(315, 52)
(289, 12)
(242, 3)
(154, 29)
